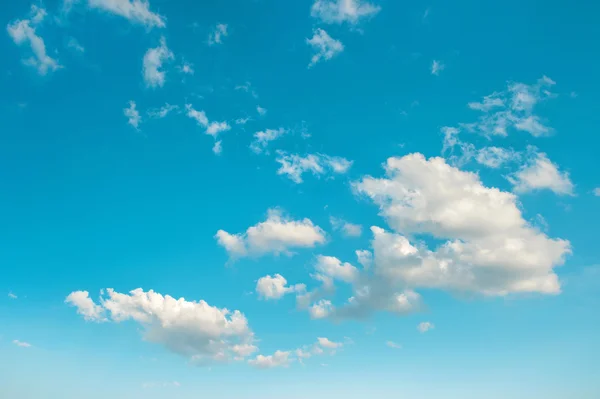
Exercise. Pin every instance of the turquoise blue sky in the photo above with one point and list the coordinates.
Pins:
(312, 198)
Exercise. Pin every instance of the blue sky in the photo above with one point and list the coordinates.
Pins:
(324, 198)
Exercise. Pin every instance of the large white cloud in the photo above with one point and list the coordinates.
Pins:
(490, 248)
(340, 11)
(279, 234)
(23, 32)
(194, 329)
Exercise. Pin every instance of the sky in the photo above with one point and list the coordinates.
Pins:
(311, 198)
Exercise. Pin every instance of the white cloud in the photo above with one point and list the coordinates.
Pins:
(425, 326)
(340, 11)
(23, 32)
(217, 148)
(279, 234)
(597, 191)
(347, 228)
(154, 75)
(75, 45)
(217, 35)
(294, 165)
(137, 11)
(364, 257)
(261, 111)
(132, 114)
(196, 330)
(264, 137)
(494, 157)
(324, 46)
(278, 359)
(437, 67)
(320, 309)
(328, 344)
(333, 267)
(211, 128)
(187, 68)
(12, 296)
(393, 345)
(490, 248)
(162, 111)
(540, 173)
(86, 306)
(275, 287)
(21, 344)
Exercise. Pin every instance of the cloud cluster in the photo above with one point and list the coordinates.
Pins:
(279, 234)
(323, 46)
(285, 358)
(200, 332)
(217, 35)
(294, 165)
(262, 139)
(343, 11)
(212, 128)
(539, 173)
(274, 287)
(23, 32)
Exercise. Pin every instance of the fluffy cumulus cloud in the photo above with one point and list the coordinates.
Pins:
(262, 139)
(334, 268)
(343, 11)
(278, 359)
(294, 166)
(194, 329)
(23, 33)
(275, 287)
(490, 248)
(132, 115)
(279, 234)
(136, 11)
(154, 74)
(323, 346)
(217, 35)
(348, 229)
(539, 173)
(324, 47)
(513, 109)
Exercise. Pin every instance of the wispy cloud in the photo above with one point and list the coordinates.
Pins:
(324, 47)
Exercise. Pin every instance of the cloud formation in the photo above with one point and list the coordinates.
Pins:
(323, 46)
(294, 166)
(343, 11)
(153, 72)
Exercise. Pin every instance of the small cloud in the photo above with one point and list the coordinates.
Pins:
(597, 191)
(132, 114)
(426, 13)
(217, 35)
(21, 344)
(153, 72)
(393, 345)
(261, 111)
(186, 68)
(12, 296)
(425, 326)
(437, 67)
(73, 44)
(324, 47)
(217, 148)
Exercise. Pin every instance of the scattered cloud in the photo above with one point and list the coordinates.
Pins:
(334, 268)
(278, 359)
(275, 287)
(73, 44)
(324, 47)
(279, 234)
(425, 326)
(597, 191)
(348, 229)
(437, 67)
(211, 128)
(162, 111)
(21, 344)
(12, 296)
(217, 35)
(294, 166)
(261, 111)
(393, 345)
(136, 11)
(264, 137)
(187, 68)
(217, 147)
(23, 32)
(539, 173)
(202, 333)
(247, 87)
(495, 157)
(132, 114)
(154, 75)
(343, 11)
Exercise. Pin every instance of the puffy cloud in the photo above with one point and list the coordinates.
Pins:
(320, 309)
(264, 137)
(425, 326)
(364, 257)
(278, 359)
(340, 11)
(217, 35)
(196, 330)
(187, 68)
(133, 115)
(324, 46)
(23, 32)
(154, 75)
(136, 11)
(279, 234)
(333, 267)
(490, 250)
(22, 344)
(275, 287)
(294, 165)
(326, 343)
(211, 128)
(86, 306)
(347, 228)
(393, 345)
(540, 173)
(437, 67)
